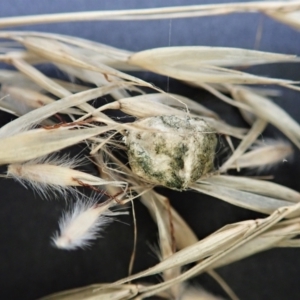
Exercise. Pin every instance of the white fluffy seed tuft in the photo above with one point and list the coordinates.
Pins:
(81, 225)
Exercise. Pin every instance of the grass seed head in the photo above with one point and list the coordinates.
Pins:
(174, 152)
(81, 225)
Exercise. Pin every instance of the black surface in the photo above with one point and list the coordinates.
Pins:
(30, 267)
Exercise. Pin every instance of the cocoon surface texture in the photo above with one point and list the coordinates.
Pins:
(172, 151)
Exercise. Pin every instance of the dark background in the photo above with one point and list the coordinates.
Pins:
(30, 267)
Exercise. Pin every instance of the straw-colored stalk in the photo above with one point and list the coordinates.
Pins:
(150, 141)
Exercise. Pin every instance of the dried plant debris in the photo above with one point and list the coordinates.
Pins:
(288, 12)
(169, 140)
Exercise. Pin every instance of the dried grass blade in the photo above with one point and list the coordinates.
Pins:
(96, 292)
(210, 88)
(42, 80)
(248, 116)
(261, 187)
(257, 128)
(39, 142)
(173, 272)
(291, 18)
(294, 243)
(133, 254)
(164, 231)
(161, 104)
(35, 116)
(264, 156)
(153, 13)
(172, 100)
(269, 111)
(262, 204)
(184, 236)
(109, 54)
(48, 84)
(263, 91)
(145, 108)
(140, 107)
(18, 79)
(164, 221)
(179, 63)
(266, 241)
(103, 49)
(224, 128)
(31, 99)
(95, 78)
(198, 56)
(21, 54)
(8, 109)
(70, 86)
(60, 53)
(206, 247)
(257, 228)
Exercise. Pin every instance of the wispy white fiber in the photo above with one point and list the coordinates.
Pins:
(81, 225)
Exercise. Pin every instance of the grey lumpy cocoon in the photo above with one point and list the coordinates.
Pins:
(172, 151)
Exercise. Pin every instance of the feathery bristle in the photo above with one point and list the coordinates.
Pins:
(81, 225)
(40, 182)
